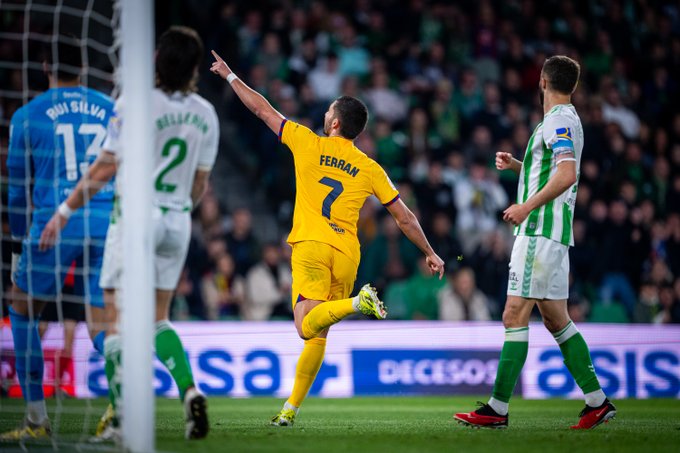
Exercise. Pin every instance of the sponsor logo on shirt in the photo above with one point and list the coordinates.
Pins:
(564, 133)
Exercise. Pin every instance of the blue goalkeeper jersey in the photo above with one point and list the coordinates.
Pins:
(53, 140)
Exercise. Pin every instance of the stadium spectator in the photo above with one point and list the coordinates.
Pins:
(490, 260)
(325, 79)
(435, 195)
(615, 265)
(267, 287)
(443, 239)
(460, 300)
(389, 257)
(669, 300)
(420, 292)
(383, 101)
(389, 149)
(223, 290)
(241, 242)
(614, 111)
(478, 199)
(354, 59)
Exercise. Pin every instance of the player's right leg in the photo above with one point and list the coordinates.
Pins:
(315, 265)
(494, 414)
(526, 284)
(39, 276)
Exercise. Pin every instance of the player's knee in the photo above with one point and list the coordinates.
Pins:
(511, 317)
(300, 332)
(554, 324)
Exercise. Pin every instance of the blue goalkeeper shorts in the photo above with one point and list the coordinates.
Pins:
(41, 274)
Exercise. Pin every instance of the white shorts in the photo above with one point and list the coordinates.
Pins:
(539, 269)
(172, 233)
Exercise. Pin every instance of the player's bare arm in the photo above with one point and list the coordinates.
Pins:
(199, 186)
(409, 225)
(255, 102)
(505, 161)
(100, 172)
(564, 177)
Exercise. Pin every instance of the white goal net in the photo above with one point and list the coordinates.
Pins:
(32, 33)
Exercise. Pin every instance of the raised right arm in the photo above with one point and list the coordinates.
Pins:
(255, 102)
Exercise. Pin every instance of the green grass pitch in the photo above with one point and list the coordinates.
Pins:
(403, 424)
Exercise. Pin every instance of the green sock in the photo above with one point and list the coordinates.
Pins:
(112, 367)
(170, 351)
(513, 356)
(577, 358)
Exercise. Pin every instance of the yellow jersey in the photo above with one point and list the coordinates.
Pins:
(333, 179)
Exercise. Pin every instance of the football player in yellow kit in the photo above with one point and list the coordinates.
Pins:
(333, 179)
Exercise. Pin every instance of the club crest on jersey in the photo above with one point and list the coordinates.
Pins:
(564, 133)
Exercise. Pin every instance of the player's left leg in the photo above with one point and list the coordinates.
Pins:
(172, 235)
(24, 314)
(170, 351)
(169, 348)
(577, 360)
(333, 274)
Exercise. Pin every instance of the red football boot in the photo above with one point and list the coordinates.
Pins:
(594, 416)
(484, 417)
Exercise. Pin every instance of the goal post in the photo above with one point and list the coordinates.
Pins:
(136, 301)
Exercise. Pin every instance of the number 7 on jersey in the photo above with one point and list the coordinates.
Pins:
(337, 189)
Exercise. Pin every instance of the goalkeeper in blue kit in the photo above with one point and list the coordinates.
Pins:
(53, 140)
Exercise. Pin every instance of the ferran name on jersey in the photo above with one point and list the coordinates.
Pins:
(341, 164)
(83, 107)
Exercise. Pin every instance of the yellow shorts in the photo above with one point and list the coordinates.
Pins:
(321, 272)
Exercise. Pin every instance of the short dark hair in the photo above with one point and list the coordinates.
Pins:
(562, 73)
(179, 52)
(65, 57)
(353, 116)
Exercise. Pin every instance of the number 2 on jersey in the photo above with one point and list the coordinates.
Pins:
(331, 197)
(181, 146)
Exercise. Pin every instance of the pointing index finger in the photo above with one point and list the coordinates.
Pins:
(217, 57)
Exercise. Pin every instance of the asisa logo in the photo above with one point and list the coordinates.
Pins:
(622, 373)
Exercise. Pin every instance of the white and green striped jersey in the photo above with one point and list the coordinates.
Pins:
(557, 139)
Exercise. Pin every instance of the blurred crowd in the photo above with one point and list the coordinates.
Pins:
(448, 84)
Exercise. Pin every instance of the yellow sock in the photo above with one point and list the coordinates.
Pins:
(307, 367)
(325, 315)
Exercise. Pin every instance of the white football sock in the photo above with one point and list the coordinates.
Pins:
(287, 405)
(500, 407)
(36, 412)
(355, 303)
(596, 398)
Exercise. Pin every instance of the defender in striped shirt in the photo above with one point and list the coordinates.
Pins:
(539, 264)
